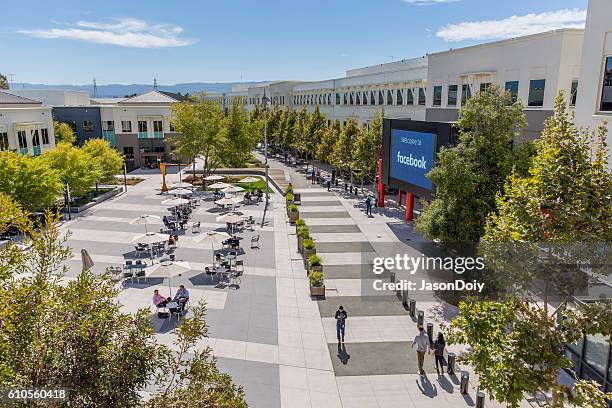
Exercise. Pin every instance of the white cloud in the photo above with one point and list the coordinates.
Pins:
(428, 2)
(514, 26)
(124, 32)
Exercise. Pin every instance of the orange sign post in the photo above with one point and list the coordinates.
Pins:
(162, 167)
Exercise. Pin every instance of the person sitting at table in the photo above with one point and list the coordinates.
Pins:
(171, 240)
(159, 300)
(181, 297)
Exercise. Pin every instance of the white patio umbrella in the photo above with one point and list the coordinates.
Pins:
(182, 184)
(175, 201)
(249, 180)
(169, 269)
(88, 263)
(219, 186)
(150, 238)
(230, 218)
(214, 177)
(182, 191)
(147, 219)
(229, 201)
(214, 239)
(233, 189)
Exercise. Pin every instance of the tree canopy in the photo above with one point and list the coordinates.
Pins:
(75, 167)
(108, 159)
(63, 133)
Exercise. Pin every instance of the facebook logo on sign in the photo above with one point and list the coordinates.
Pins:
(412, 156)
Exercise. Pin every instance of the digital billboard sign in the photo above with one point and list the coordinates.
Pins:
(411, 155)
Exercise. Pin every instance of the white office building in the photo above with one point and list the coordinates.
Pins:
(26, 125)
(533, 68)
(594, 102)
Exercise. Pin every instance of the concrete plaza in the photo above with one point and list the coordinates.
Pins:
(268, 333)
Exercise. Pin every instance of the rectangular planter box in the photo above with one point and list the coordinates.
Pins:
(308, 252)
(293, 217)
(317, 268)
(317, 291)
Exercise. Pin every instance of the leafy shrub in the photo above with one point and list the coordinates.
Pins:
(289, 189)
(293, 208)
(314, 260)
(309, 244)
(315, 278)
(300, 223)
(303, 232)
(290, 197)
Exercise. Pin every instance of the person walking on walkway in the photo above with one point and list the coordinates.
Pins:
(421, 341)
(328, 182)
(438, 347)
(340, 323)
(368, 204)
(313, 174)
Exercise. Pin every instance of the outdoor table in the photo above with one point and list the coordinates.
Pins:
(222, 272)
(172, 305)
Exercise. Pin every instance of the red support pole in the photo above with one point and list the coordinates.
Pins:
(381, 186)
(409, 206)
(399, 197)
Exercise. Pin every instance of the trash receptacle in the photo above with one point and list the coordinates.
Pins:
(412, 307)
(420, 318)
(465, 380)
(451, 363)
(480, 399)
(430, 333)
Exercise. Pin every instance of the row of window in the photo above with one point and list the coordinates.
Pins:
(536, 92)
(126, 126)
(22, 139)
(363, 98)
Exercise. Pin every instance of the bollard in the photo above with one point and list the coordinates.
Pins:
(412, 307)
(430, 333)
(465, 380)
(404, 297)
(420, 318)
(345, 187)
(356, 191)
(336, 182)
(480, 399)
(451, 363)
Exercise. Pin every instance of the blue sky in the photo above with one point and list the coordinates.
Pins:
(70, 42)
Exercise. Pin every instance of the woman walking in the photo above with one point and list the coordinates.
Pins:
(438, 347)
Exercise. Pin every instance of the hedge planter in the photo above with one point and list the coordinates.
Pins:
(309, 248)
(314, 263)
(317, 286)
(317, 291)
(293, 213)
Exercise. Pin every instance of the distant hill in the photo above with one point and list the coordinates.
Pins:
(119, 90)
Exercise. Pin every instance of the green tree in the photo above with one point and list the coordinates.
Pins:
(63, 133)
(240, 141)
(367, 149)
(315, 128)
(343, 155)
(76, 168)
(201, 124)
(108, 159)
(57, 333)
(3, 82)
(468, 176)
(328, 141)
(548, 225)
(29, 180)
(299, 131)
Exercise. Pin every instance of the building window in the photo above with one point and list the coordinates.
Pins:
(536, 92)
(159, 149)
(345, 99)
(399, 100)
(512, 87)
(351, 98)
(22, 139)
(128, 152)
(88, 126)
(596, 357)
(437, 95)
(389, 97)
(126, 126)
(35, 138)
(329, 99)
(4, 144)
(573, 93)
(337, 99)
(484, 86)
(72, 125)
(358, 98)
(606, 90)
(409, 97)
(372, 98)
(158, 126)
(422, 96)
(466, 93)
(452, 95)
(142, 126)
(171, 126)
(109, 126)
(44, 133)
(381, 98)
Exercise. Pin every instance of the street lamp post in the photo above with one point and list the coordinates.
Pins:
(264, 102)
(124, 176)
(68, 198)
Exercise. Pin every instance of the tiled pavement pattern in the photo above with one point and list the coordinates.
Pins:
(376, 367)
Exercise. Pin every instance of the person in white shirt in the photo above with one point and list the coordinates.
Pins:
(422, 346)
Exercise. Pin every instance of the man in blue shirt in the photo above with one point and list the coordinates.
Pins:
(340, 323)
(181, 297)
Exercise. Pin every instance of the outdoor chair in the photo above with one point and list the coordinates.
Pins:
(195, 228)
(255, 241)
(128, 264)
(210, 272)
(240, 266)
(234, 279)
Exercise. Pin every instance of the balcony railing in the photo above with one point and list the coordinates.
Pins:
(143, 135)
(158, 135)
(109, 136)
(36, 150)
(23, 150)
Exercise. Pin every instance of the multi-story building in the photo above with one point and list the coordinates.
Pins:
(594, 102)
(26, 125)
(533, 68)
(398, 88)
(139, 127)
